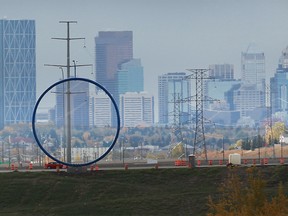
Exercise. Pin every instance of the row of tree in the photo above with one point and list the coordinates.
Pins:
(247, 138)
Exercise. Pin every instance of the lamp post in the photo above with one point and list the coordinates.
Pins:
(74, 63)
(63, 114)
(223, 153)
(281, 146)
(258, 143)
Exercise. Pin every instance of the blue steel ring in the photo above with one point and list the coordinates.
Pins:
(117, 115)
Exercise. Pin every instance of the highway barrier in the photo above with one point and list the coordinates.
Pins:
(180, 163)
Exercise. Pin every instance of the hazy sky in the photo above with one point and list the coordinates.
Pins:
(169, 35)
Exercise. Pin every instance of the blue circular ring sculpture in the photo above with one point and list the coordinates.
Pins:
(117, 114)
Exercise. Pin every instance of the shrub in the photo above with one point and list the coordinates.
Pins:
(238, 197)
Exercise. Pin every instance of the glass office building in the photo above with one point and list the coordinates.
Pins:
(130, 77)
(113, 48)
(17, 71)
(279, 85)
(173, 87)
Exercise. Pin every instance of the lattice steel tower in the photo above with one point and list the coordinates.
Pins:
(199, 140)
(177, 137)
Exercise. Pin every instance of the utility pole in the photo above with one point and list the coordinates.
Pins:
(269, 115)
(68, 87)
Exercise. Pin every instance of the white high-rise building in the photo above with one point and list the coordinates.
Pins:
(253, 67)
(100, 110)
(247, 98)
(136, 109)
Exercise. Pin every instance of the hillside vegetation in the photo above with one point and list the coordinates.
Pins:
(132, 192)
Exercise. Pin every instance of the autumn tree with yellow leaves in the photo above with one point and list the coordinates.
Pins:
(240, 198)
(272, 136)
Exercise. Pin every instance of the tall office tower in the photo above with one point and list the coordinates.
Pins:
(136, 109)
(248, 98)
(79, 102)
(17, 71)
(113, 48)
(216, 89)
(172, 87)
(130, 77)
(253, 67)
(248, 101)
(222, 71)
(279, 85)
(223, 80)
(100, 110)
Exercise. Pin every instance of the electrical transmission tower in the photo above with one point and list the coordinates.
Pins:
(177, 137)
(199, 140)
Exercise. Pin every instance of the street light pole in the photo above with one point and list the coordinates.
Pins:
(74, 62)
(223, 153)
(281, 141)
(258, 142)
(123, 152)
(63, 115)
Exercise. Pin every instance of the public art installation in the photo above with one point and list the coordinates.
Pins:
(72, 111)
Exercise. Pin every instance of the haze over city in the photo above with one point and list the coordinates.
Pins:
(172, 147)
(168, 36)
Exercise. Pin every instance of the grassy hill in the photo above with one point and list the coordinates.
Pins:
(132, 192)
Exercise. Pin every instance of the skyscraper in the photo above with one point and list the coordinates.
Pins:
(17, 71)
(222, 71)
(253, 67)
(136, 109)
(279, 85)
(101, 110)
(79, 100)
(113, 48)
(130, 77)
(172, 87)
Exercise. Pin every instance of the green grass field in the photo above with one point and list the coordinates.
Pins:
(131, 192)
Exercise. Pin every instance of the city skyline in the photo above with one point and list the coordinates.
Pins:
(168, 36)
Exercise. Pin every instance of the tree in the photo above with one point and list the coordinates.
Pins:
(135, 140)
(178, 150)
(240, 198)
(277, 130)
(246, 144)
